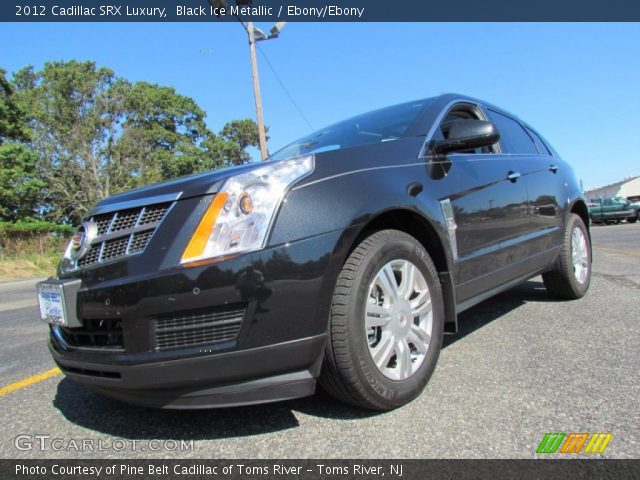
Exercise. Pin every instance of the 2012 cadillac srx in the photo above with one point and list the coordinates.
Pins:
(342, 260)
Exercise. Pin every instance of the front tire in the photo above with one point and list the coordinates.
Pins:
(386, 323)
(571, 274)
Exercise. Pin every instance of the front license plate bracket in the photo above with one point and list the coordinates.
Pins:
(68, 290)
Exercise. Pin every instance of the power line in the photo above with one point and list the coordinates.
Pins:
(285, 89)
(241, 22)
(273, 70)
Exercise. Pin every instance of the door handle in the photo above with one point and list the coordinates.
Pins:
(513, 176)
(553, 168)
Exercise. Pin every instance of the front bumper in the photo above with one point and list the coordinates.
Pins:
(275, 352)
(207, 381)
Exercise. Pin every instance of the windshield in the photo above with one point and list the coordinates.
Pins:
(384, 125)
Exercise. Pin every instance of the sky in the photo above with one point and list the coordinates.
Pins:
(578, 84)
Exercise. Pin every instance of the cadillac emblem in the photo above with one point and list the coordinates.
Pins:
(81, 242)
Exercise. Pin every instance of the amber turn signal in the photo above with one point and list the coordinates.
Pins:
(199, 239)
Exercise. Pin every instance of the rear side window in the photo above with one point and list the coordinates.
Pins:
(542, 148)
(513, 138)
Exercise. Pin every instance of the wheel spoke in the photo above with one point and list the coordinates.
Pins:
(419, 339)
(387, 281)
(383, 352)
(421, 304)
(408, 281)
(404, 366)
(376, 316)
(420, 299)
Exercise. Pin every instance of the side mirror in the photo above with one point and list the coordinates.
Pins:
(467, 135)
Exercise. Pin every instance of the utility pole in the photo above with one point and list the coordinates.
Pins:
(256, 92)
(252, 31)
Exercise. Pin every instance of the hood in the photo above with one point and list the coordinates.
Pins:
(180, 188)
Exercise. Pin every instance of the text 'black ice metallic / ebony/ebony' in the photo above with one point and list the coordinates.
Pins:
(343, 259)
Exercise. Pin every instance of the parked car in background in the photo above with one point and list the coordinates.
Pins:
(343, 259)
(613, 210)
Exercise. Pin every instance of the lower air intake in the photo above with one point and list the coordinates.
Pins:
(99, 334)
(198, 328)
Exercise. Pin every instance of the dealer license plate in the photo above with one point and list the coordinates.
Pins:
(52, 306)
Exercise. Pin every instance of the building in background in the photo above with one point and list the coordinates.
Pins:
(628, 188)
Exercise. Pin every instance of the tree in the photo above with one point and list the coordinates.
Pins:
(96, 135)
(240, 134)
(167, 130)
(71, 116)
(19, 186)
(13, 124)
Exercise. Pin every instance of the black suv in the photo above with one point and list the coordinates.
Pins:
(343, 259)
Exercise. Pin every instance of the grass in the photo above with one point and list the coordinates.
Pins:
(31, 257)
(28, 266)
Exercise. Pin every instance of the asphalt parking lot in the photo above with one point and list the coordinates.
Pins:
(521, 366)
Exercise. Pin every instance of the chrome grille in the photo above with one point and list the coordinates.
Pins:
(103, 223)
(114, 248)
(198, 328)
(152, 214)
(91, 257)
(124, 220)
(139, 241)
(123, 233)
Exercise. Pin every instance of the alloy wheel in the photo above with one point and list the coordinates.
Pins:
(579, 255)
(398, 319)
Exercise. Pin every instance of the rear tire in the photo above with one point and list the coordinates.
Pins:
(381, 310)
(571, 274)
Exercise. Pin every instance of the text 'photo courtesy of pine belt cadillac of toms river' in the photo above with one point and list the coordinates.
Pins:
(341, 261)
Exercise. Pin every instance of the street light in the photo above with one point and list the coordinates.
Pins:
(273, 33)
(255, 35)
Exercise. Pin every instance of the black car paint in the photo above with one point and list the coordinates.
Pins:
(509, 229)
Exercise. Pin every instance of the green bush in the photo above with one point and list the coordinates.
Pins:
(34, 228)
(35, 237)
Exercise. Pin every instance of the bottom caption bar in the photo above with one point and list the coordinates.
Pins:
(316, 469)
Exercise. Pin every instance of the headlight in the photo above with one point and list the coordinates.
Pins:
(241, 213)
